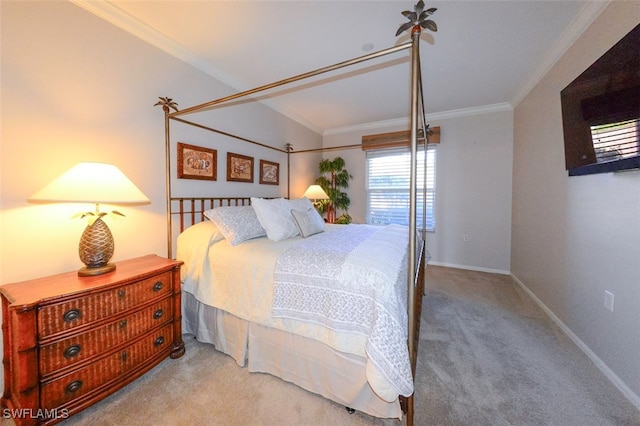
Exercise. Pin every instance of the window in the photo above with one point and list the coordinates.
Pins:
(388, 173)
(616, 141)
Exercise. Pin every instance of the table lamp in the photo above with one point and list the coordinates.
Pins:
(93, 183)
(315, 193)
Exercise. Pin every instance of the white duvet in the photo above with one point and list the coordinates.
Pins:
(240, 280)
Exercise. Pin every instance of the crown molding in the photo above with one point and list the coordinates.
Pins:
(121, 19)
(589, 12)
(404, 122)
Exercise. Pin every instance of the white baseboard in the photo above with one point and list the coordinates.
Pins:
(470, 268)
(631, 396)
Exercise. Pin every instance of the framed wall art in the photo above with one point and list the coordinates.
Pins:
(239, 168)
(196, 162)
(269, 172)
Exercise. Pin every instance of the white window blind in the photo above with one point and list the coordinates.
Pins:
(388, 173)
(616, 141)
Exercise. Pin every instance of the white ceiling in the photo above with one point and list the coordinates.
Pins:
(485, 55)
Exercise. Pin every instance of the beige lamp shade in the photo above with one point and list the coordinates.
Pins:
(315, 192)
(91, 183)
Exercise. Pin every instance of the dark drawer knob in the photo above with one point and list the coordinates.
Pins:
(73, 386)
(123, 356)
(159, 341)
(158, 314)
(158, 286)
(71, 315)
(72, 351)
(123, 323)
(122, 293)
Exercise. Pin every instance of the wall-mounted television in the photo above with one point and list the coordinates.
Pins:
(601, 112)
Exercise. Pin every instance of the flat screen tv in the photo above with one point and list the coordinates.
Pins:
(601, 112)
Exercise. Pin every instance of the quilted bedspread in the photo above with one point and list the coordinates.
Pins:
(353, 281)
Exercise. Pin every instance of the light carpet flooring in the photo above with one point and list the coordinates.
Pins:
(487, 356)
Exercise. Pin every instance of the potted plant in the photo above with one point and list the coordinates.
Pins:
(333, 178)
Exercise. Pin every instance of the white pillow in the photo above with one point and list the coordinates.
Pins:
(275, 217)
(236, 223)
(308, 222)
(193, 246)
(205, 232)
(302, 204)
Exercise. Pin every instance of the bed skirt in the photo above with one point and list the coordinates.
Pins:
(304, 362)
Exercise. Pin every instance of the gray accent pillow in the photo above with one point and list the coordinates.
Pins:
(237, 224)
(308, 222)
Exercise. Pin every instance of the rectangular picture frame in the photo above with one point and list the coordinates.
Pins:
(196, 162)
(269, 173)
(239, 168)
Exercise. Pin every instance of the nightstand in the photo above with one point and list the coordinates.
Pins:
(70, 341)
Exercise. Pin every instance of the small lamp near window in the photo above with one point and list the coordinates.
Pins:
(93, 183)
(315, 193)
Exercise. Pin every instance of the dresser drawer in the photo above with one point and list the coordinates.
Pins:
(70, 341)
(71, 350)
(83, 381)
(64, 316)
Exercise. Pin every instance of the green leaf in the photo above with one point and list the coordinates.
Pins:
(337, 164)
(344, 219)
(333, 178)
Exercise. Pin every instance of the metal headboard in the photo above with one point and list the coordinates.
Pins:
(190, 210)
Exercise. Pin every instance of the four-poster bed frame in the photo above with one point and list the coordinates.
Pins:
(194, 207)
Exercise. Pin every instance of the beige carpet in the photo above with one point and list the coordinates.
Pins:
(488, 356)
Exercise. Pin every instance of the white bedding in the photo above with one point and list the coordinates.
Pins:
(240, 279)
(352, 280)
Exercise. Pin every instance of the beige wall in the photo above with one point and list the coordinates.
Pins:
(575, 237)
(473, 187)
(76, 88)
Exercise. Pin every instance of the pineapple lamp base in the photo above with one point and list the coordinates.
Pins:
(90, 272)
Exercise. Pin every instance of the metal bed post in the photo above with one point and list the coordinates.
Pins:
(288, 147)
(167, 104)
(415, 70)
(168, 183)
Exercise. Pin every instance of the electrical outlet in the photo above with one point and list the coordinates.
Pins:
(608, 300)
(465, 238)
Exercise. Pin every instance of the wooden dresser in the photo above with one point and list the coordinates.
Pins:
(70, 341)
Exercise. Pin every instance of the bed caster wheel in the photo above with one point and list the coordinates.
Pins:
(350, 410)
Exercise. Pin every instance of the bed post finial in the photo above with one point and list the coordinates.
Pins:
(417, 19)
(167, 104)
